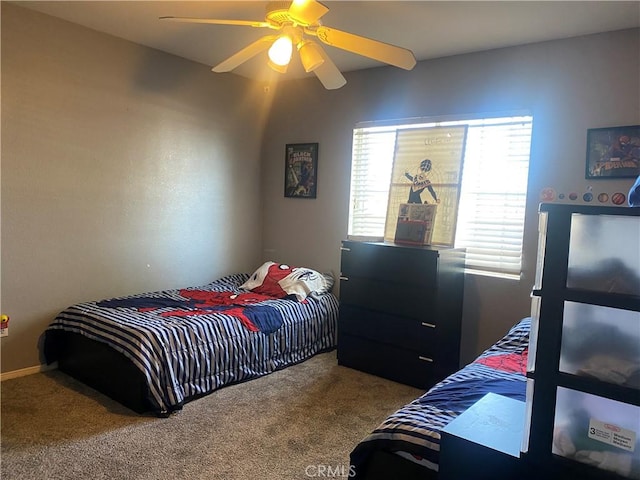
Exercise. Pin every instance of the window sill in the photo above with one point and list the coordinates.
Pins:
(483, 273)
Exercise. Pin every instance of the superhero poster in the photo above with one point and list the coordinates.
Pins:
(427, 169)
(301, 170)
(613, 152)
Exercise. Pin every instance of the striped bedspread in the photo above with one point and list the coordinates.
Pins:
(414, 430)
(185, 356)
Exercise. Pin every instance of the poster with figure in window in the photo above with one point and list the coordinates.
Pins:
(301, 170)
(427, 169)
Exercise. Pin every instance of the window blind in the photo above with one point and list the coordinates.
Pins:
(490, 222)
(370, 179)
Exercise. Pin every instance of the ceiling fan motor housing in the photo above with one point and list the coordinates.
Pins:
(277, 12)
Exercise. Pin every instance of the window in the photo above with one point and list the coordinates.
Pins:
(493, 191)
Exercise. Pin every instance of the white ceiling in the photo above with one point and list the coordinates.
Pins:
(431, 29)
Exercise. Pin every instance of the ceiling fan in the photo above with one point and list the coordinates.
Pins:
(294, 22)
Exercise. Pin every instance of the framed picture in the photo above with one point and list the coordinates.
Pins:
(301, 170)
(613, 152)
(427, 169)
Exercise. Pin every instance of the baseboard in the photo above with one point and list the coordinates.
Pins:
(23, 372)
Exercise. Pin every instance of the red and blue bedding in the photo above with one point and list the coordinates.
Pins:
(192, 341)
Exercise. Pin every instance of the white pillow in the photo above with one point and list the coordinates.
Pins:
(280, 280)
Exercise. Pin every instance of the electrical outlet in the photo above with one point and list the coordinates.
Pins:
(4, 332)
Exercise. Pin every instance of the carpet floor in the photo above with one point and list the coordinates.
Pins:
(284, 425)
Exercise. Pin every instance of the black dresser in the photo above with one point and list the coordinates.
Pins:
(401, 311)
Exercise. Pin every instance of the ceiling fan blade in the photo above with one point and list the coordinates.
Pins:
(383, 52)
(328, 73)
(245, 54)
(306, 12)
(246, 23)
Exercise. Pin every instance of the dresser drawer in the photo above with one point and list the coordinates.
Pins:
(412, 301)
(404, 366)
(388, 263)
(419, 336)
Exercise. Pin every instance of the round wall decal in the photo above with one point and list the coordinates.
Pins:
(618, 198)
(548, 194)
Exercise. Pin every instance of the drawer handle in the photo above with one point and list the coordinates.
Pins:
(345, 249)
(346, 279)
(430, 325)
(425, 359)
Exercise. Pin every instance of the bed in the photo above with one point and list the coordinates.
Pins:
(407, 443)
(154, 352)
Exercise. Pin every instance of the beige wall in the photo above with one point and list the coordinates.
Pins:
(569, 86)
(124, 170)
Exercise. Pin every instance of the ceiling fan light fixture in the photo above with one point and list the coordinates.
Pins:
(277, 68)
(281, 50)
(310, 55)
